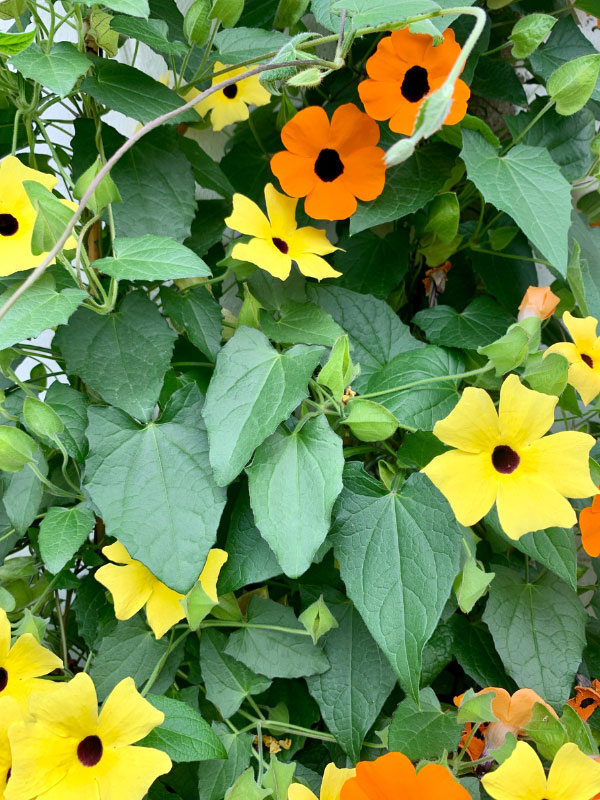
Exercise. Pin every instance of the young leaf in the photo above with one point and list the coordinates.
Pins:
(215, 777)
(529, 32)
(16, 449)
(57, 70)
(421, 731)
(246, 788)
(62, 532)
(300, 323)
(152, 258)
(571, 86)
(105, 193)
(370, 421)
(13, 43)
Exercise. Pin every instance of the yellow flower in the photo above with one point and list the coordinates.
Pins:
(277, 241)
(502, 458)
(231, 103)
(22, 665)
(9, 714)
(333, 780)
(133, 586)
(66, 750)
(573, 776)
(583, 356)
(17, 216)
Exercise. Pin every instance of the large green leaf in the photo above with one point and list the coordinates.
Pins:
(215, 777)
(351, 693)
(375, 332)
(153, 32)
(71, 406)
(423, 730)
(375, 12)
(198, 313)
(408, 186)
(252, 390)
(527, 185)
(482, 322)
(206, 171)
(538, 630)
(154, 488)
(58, 70)
(123, 356)
(287, 469)
(475, 652)
(41, 307)
(184, 735)
(300, 323)
(136, 8)
(62, 532)
(419, 406)
(264, 648)
(240, 44)
(152, 258)
(228, 682)
(372, 264)
(398, 554)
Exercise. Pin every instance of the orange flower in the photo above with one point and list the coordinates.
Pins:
(538, 301)
(476, 746)
(403, 71)
(392, 776)
(589, 524)
(330, 163)
(586, 700)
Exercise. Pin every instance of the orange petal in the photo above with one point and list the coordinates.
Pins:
(433, 780)
(381, 99)
(440, 60)
(296, 173)
(460, 98)
(521, 707)
(307, 133)
(405, 117)
(364, 173)
(411, 47)
(352, 128)
(385, 64)
(589, 522)
(387, 778)
(330, 201)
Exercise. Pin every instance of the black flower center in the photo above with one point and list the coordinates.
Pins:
(415, 84)
(9, 225)
(504, 459)
(282, 246)
(587, 702)
(230, 91)
(89, 751)
(587, 360)
(328, 165)
(3, 679)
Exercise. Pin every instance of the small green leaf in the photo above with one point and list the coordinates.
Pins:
(476, 707)
(41, 419)
(529, 32)
(246, 788)
(227, 12)
(443, 216)
(471, 585)
(152, 258)
(547, 732)
(370, 421)
(572, 85)
(197, 605)
(579, 731)
(548, 375)
(196, 24)
(62, 532)
(423, 731)
(300, 323)
(184, 735)
(198, 313)
(13, 43)
(101, 32)
(135, 8)
(53, 215)
(105, 193)
(58, 70)
(153, 32)
(16, 449)
(511, 350)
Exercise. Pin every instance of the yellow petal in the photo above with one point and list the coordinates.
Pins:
(4, 636)
(585, 380)
(28, 659)
(163, 609)
(130, 586)
(468, 481)
(265, 255)
(573, 775)
(10, 713)
(70, 710)
(13, 172)
(226, 112)
(333, 780)
(118, 553)
(524, 415)
(210, 572)
(525, 503)
(128, 772)
(80, 781)
(566, 349)
(247, 217)
(472, 425)
(282, 213)
(315, 267)
(251, 91)
(40, 760)
(520, 777)
(299, 792)
(126, 717)
(310, 240)
(583, 331)
(562, 459)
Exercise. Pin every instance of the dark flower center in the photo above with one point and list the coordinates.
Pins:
(415, 84)
(9, 225)
(89, 751)
(230, 91)
(328, 165)
(282, 246)
(587, 702)
(3, 679)
(587, 360)
(504, 459)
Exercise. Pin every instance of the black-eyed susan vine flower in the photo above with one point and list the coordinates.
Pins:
(403, 71)
(583, 355)
(572, 776)
(504, 458)
(133, 586)
(230, 104)
(331, 164)
(277, 241)
(9, 714)
(333, 780)
(23, 664)
(18, 215)
(65, 749)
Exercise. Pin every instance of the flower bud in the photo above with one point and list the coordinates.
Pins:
(538, 301)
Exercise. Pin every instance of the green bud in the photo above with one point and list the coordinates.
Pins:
(471, 584)
(529, 32)
(250, 311)
(105, 193)
(53, 216)
(339, 371)
(444, 216)
(401, 151)
(308, 77)
(227, 12)
(16, 449)
(370, 421)
(38, 375)
(36, 626)
(196, 24)
(318, 619)
(41, 419)
(511, 350)
(197, 605)
(572, 84)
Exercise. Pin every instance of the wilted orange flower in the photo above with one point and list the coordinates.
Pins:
(589, 524)
(392, 776)
(435, 280)
(476, 746)
(330, 163)
(405, 69)
(538, 301)
(586, 700)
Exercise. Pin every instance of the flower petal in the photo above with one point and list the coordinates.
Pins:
(381, 99)
(117, 552)
(128, 772)
(307, 133)
(330, 201)
(333, 780)
(210, 572)
(573, 775)
(413, 48)
(351, 128)
(310, 240)
(71, 710)
(589, 523)
(228, 112)
(460, 99)
(315, 267)
(130, 586)
(299, 792)
(403, 120)
(40, 760)
(386, 64)
(434, 780)
(583, 331)
(251, 91)
(364, 173)
(472, 425)
(562, 459)
(520, 708)
(520, 777)
(163, 609)
(386, 778)
(524, 415)
(282, 214)
(525, 503)
(28, 659)
(296, 173)
(4, 635)
(566, 349)
(126, 717)
(265, 255)
(585, 380)
(247, 218)
(468, 481)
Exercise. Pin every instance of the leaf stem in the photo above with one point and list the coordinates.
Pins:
(526, 130)
(217, 623)
(435, 379)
